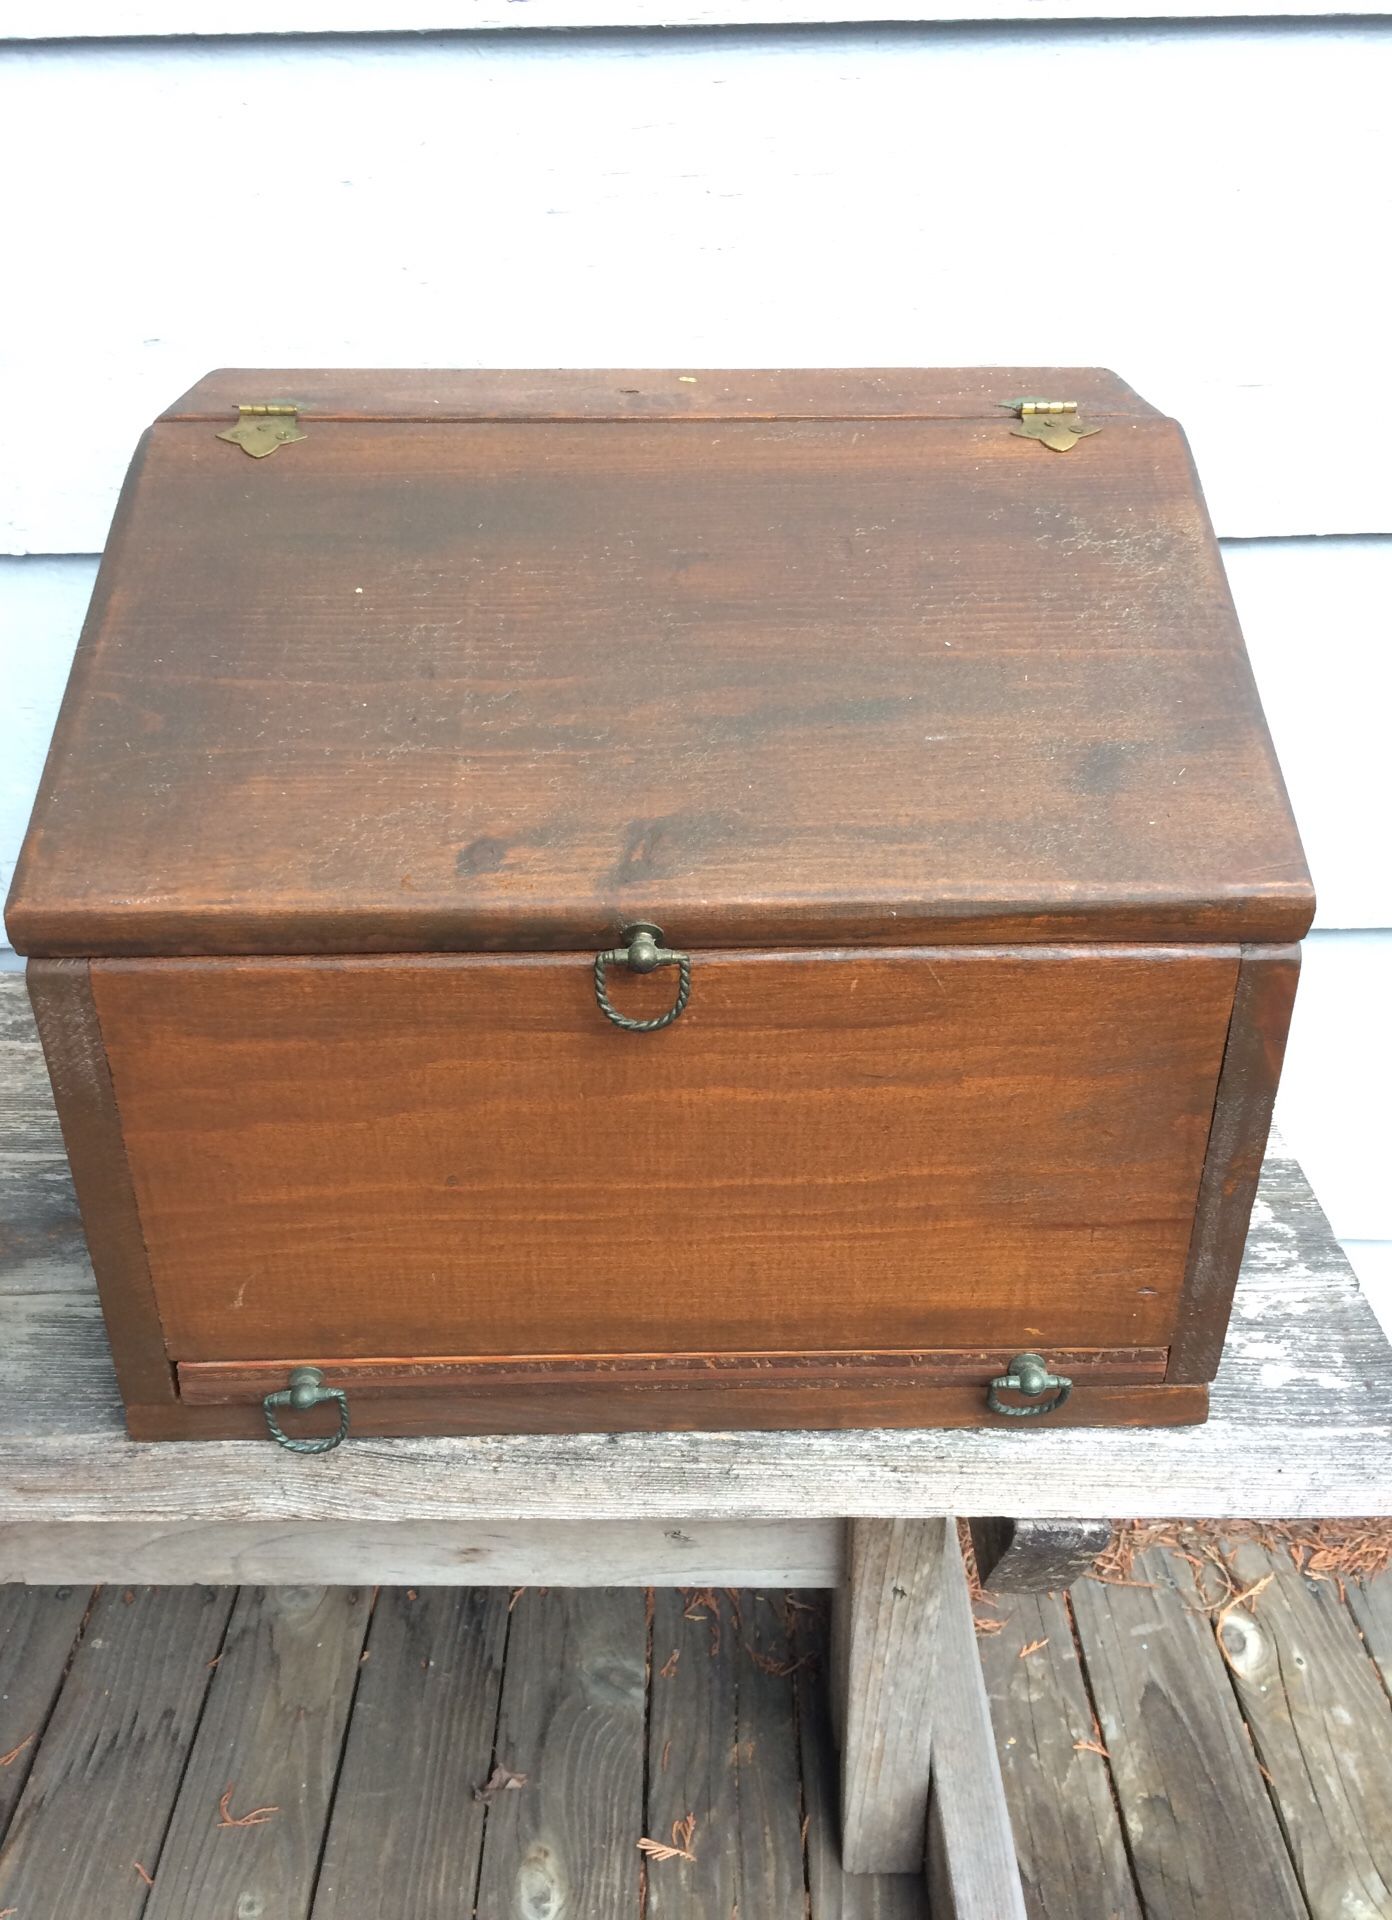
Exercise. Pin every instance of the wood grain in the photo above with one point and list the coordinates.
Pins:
(220, 1382)
(598, 1408)
(1068, 1837)
(1371, 1601)
(1322, 1727)
(413, 687)
(113, 1755)
(279, 1701)
(651, 1392)
(767, 1769)
(406, 1830)
(39, 1629)
(1319, 1448)
(1035, 1556)
(460, 1156)
(1202, 1835)
(971, 1863)
(1256, 1046)
(885, 1631)
(575, 1553)
(836, 1894)
(41, 1243)
(69, 1027)
(572, 1721)
(650, 393)
(693, 1766)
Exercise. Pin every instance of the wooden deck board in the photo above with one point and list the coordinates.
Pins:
(573, 1722)
(692, 1736)
(1204, 1841)
(91, 1822)
(1371, 1601)
(1068, 1836)
(767, 1770)
(407, 1831)
(39, 1627)
(1322, 1727)
(271, 1736)
(144, 1736)
(836, 1895)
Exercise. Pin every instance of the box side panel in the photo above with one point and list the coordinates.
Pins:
(66, 1016)
(827, 1152)
(1256, 1046)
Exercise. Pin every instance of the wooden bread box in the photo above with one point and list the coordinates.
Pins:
(890, 739)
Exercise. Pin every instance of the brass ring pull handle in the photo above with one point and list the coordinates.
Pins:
(643, 953)
(306, 1389)
(1028, 1375)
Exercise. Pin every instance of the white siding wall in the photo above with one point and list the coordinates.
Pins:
(1195, 204)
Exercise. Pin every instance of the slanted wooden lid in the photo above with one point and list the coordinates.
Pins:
(506, 661)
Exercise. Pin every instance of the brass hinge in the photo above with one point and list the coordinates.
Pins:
(1054, 423)
(261, 429)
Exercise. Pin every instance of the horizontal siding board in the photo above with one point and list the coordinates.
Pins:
(43, 602)
(1315, 613)
(750, 199)
(107, 20)
(1333, 1102)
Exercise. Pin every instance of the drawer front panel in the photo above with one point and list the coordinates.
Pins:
(683, 1391)
(830, 1151)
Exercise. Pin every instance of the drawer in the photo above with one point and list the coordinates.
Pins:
(449, 1160)
(683, 1391)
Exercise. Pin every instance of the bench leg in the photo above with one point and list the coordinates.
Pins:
(920, 1783)
(970, 1861)
(1036, 1556)
(883, 1628)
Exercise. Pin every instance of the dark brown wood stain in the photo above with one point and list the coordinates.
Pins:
(939, 752)
(765, 680)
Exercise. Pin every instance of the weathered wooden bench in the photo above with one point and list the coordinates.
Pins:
(1301, 1425)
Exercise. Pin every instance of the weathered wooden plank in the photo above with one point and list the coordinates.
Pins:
(420, 1553)
(1067, 1835)
(836, 1894)
(38, 1632)
(1322, 1726)
(271, 1737)
(971, 1864)
(572, 1721)
(692, 1754)
(91, 1821)
(884, 1632)
(1371, 1601)
(1203, 1838)
(41, 1243)
(767, 1768)
(407, 1832)
(1036, 1556)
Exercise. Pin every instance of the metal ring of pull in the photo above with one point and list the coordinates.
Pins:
(643, 953)
(1028, 1375)
(306, 1389)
